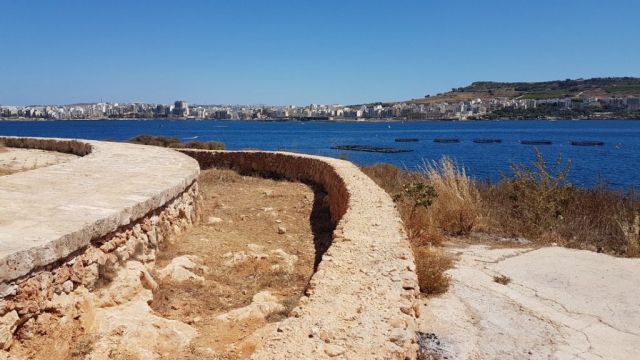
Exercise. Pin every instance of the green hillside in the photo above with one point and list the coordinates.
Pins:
(579, 88)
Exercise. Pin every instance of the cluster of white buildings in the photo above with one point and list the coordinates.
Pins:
(405, 111)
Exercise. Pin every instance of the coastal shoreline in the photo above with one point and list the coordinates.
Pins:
(380, 120)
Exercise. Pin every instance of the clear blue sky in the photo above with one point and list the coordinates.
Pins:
(300, 52)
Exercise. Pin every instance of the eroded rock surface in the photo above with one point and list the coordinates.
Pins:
(559, 303)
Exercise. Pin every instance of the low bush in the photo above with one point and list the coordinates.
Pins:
(163, 141)
(175, 143)
(209, 145)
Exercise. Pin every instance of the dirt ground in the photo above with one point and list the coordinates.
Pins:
(249, 228)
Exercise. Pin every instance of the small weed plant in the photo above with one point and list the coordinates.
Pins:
(418, 194)
(502, 279)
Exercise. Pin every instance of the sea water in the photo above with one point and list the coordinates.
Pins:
(616, 162)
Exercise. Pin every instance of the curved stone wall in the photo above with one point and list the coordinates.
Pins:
(65, 226)
(361, 303)
(51, 212)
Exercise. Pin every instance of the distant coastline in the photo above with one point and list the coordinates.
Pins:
(390, 120)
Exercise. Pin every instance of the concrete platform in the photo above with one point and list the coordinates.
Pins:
(49, 213)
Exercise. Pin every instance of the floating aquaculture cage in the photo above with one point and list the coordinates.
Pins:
(446, 140)
(536, 142)
(407, 140)
(587, 143)
(487, 141)
(369, 149)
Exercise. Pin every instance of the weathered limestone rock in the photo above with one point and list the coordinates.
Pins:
(138, 332)
(262, 305)
(286, 262)
(8, 325)
(125, 286)
(179, 270)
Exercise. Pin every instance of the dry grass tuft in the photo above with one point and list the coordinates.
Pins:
(3, 148)
(224, 176)
(456, 208)
(431, 265)
(391, 178)
(502, 279)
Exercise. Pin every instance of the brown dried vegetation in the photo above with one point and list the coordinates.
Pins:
(537, 203)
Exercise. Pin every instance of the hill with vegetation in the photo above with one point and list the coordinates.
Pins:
(575, 89)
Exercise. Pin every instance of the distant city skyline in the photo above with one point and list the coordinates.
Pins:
(294, 52)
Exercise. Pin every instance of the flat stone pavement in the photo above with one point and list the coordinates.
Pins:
(30, 159)
(50, 212)
(559, 304)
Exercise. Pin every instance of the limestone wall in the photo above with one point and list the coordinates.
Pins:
(67, 146)
(361, 303)
(69, 228)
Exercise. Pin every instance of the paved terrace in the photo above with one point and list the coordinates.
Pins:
(50, 213)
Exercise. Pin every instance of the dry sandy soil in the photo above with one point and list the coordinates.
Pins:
(255, 235)
(557, 303)
(14, 160)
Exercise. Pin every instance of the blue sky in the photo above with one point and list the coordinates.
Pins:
(301, 52)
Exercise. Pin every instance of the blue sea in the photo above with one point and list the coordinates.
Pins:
(616, 162)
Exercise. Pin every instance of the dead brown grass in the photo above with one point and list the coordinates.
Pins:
(431, 267)
(456, 208)
(3, 148)
(502, 279)
(391, 178)
(6, 171)
(538, 203)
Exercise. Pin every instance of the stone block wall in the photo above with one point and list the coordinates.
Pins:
(101, 213)
(89, 268)
(362, 301)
